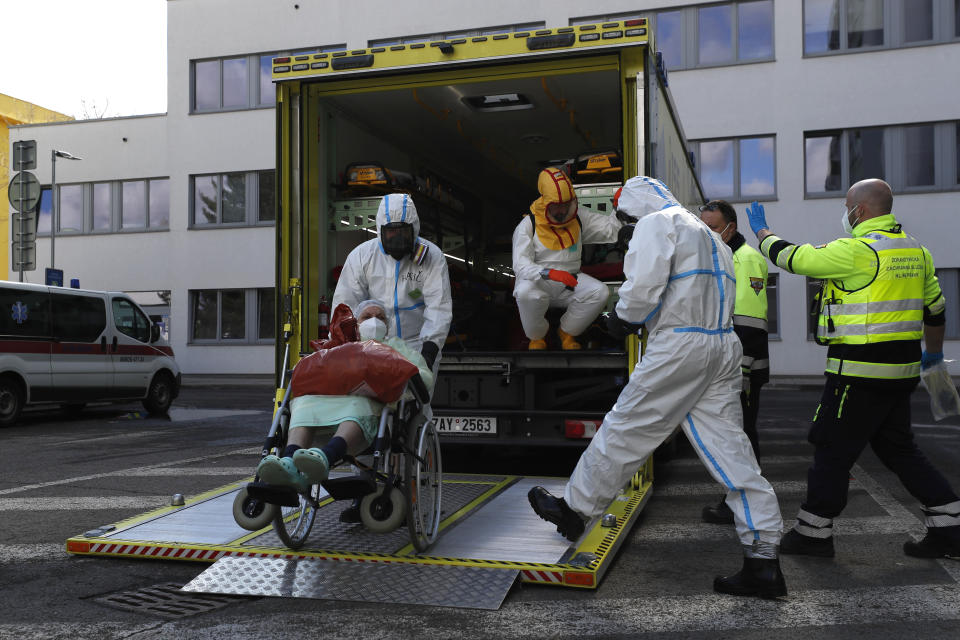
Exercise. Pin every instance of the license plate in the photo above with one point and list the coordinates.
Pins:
(465, 426)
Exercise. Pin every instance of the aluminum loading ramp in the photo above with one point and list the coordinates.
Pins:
(487, 524)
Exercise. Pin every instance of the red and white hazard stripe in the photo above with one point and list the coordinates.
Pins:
(551, 577)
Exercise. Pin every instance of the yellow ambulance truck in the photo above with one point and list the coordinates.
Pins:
(464, 126)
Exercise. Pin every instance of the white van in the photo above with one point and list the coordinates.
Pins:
(73, 346)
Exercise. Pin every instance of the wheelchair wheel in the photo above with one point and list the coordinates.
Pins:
(424, 474)
(385, 516)
(250, 513)
(293, 524)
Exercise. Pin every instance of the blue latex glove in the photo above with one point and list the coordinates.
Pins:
(927, 360)
(758, 219)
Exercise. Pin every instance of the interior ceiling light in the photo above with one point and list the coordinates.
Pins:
(534, 138)
(498, 102)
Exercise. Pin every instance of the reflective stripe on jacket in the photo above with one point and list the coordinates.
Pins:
(879, 289)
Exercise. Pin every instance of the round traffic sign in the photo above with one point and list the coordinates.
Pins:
(24, 191)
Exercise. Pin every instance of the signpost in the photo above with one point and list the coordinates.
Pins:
(24, 194)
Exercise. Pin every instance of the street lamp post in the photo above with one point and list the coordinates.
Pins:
(54, 209)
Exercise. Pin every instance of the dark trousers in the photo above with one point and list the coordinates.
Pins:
(848, 418)
(750, 402)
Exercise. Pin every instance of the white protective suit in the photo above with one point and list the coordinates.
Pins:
(680, 285)
(535, 295)
(416, 289)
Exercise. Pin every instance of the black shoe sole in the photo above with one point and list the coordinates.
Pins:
(767, 593)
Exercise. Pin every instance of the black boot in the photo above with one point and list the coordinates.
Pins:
(718, 514)
(759, 577)
(797, 544)
(552, 509)
(351, 515)
(933, 546)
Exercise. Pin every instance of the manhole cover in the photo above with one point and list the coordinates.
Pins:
(166, 600)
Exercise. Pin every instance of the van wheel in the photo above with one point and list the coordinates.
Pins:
(11, 402)
(160, 395)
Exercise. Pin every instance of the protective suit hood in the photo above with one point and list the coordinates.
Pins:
(398, 208)
(642, 195)
(554, 186)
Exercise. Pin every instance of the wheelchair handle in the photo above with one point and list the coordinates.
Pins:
(419, 389)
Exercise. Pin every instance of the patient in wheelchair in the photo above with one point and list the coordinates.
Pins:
(355, 418)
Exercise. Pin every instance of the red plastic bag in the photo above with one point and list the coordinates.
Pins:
(343, 328)
(366, 368)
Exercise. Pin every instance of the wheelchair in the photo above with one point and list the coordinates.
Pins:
(404, 482)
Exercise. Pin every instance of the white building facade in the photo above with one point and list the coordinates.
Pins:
(784, 101)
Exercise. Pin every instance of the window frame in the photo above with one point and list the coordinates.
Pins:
(946, 158)
(251, 201)
(690, 31)
(737, 195)
(254, 85)
(115, 188)
(251, 308)
(945, 28)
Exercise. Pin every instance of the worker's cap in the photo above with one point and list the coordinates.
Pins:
(642, 195)
(366, 304)
(554, 185)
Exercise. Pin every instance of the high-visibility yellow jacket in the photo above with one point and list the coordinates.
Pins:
(750, 308)
(879, 290)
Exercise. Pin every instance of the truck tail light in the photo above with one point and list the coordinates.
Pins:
(577, 429)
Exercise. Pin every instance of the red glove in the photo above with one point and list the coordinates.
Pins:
(564, 277)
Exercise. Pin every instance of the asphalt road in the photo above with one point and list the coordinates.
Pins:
(63, 475)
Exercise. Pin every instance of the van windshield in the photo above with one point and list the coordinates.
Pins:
(130, 320)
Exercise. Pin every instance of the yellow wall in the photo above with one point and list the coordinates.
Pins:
(13, 112)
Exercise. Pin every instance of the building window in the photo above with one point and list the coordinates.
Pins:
(911, 157)
(70, 209)
(108, 207)
(232, 316)
(266, 193)
(838, 26)
(669, 38)
(133, 213)
(266, 314)
(102, 206)
(737, 169)
(917, 20)
(268, 93)
(950, 285)
(242, 198)
(238, 82)
(708, 35)
(45, 210)
(773, 305)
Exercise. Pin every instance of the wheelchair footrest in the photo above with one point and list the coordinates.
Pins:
(355, 486)
(272, 494)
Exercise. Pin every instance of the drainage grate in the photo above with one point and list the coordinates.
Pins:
(166, 600)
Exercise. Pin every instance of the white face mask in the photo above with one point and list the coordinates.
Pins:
(372, 329)
(845, 220)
